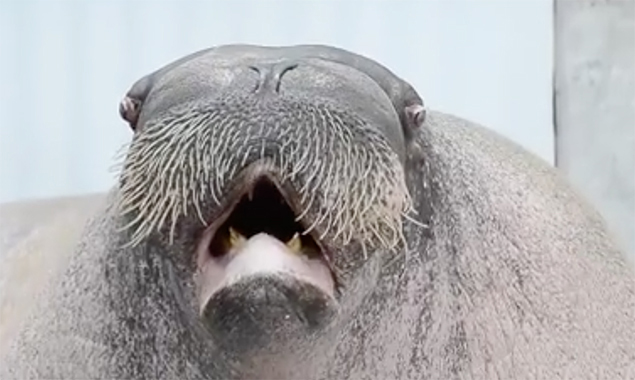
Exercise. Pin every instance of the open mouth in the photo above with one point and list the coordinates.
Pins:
(257, 236)
(263, 208)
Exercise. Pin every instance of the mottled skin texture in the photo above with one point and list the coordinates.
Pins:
(516, 278)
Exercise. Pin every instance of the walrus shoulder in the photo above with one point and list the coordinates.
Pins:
(37, 238)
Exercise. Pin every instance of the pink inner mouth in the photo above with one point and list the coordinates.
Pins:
(259, 234)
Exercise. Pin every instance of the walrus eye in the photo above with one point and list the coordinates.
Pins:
(416, 115)
(262, 210)
(129, 111)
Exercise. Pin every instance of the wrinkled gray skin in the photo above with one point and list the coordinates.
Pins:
(515, 278)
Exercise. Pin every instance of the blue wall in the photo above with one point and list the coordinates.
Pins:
(64, 66)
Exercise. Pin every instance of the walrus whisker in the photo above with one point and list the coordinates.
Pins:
(415, 221)
(359, 191)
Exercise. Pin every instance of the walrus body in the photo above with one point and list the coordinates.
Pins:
(470, 258)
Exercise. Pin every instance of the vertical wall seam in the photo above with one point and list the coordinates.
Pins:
(554, 85)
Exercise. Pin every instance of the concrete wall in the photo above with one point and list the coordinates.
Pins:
(595, 106)
(66, 64)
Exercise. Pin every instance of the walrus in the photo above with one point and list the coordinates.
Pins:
(298, 213)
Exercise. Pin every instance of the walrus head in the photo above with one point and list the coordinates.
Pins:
(283, 165)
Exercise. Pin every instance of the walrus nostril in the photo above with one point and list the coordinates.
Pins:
(271, 76)
(284, 69)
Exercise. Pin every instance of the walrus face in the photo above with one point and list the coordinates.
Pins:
(287, 175)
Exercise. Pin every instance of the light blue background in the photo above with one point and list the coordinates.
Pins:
(64, 66)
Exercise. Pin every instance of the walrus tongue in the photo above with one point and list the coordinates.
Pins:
(264, 254)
